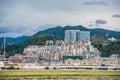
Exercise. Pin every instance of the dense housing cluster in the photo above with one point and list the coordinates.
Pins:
(76, 50)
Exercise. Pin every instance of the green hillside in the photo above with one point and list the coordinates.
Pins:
(12, 41)
(108, 48)
(60, 31)
(34, 40)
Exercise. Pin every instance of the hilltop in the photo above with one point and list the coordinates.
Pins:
(59, 31)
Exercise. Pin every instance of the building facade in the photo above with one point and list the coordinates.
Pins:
(72, 36)
(84, 36)
(60, 52)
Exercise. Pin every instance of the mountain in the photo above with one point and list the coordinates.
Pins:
(105, 33)
(60, 31)
(56, 33)
(11, 41)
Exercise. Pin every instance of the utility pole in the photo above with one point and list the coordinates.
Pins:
(118, 59)
(4, 46)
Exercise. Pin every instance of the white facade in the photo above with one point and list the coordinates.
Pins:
(1, 64)
(112, 39)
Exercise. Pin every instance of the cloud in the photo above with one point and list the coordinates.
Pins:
(25, 17)
(103, 3)
(96, 23)
(19, 30)
(3, 27)
(91, 25)
(100, 21)
(116, 15)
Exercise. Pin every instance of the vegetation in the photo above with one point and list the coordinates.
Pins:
(108, 48)
(9, 68)
(60, 31)
(11, 41)
(97, 38)
(40, 39)
(55, 33)
(46, 67)
(58, 74)
(35, 40)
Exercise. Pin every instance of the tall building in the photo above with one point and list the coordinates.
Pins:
(84, 36)
(72, 36)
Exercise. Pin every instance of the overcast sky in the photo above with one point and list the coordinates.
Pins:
(26, 17)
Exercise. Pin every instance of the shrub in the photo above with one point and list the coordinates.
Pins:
(54, 68)
(2, 67)
(46, 67)
(12, 67)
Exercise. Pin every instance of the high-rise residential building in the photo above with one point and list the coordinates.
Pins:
(72, 36)
(84, 36)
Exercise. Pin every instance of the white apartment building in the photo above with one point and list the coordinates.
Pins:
(72, 36)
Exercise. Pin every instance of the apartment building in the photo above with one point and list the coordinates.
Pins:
(72, 36)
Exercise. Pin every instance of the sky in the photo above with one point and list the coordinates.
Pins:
(26, 17)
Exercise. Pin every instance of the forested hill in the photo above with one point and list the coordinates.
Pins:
(13, 41)
(60, 31)
(96, 34)
(106, 48)
(34, 40)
